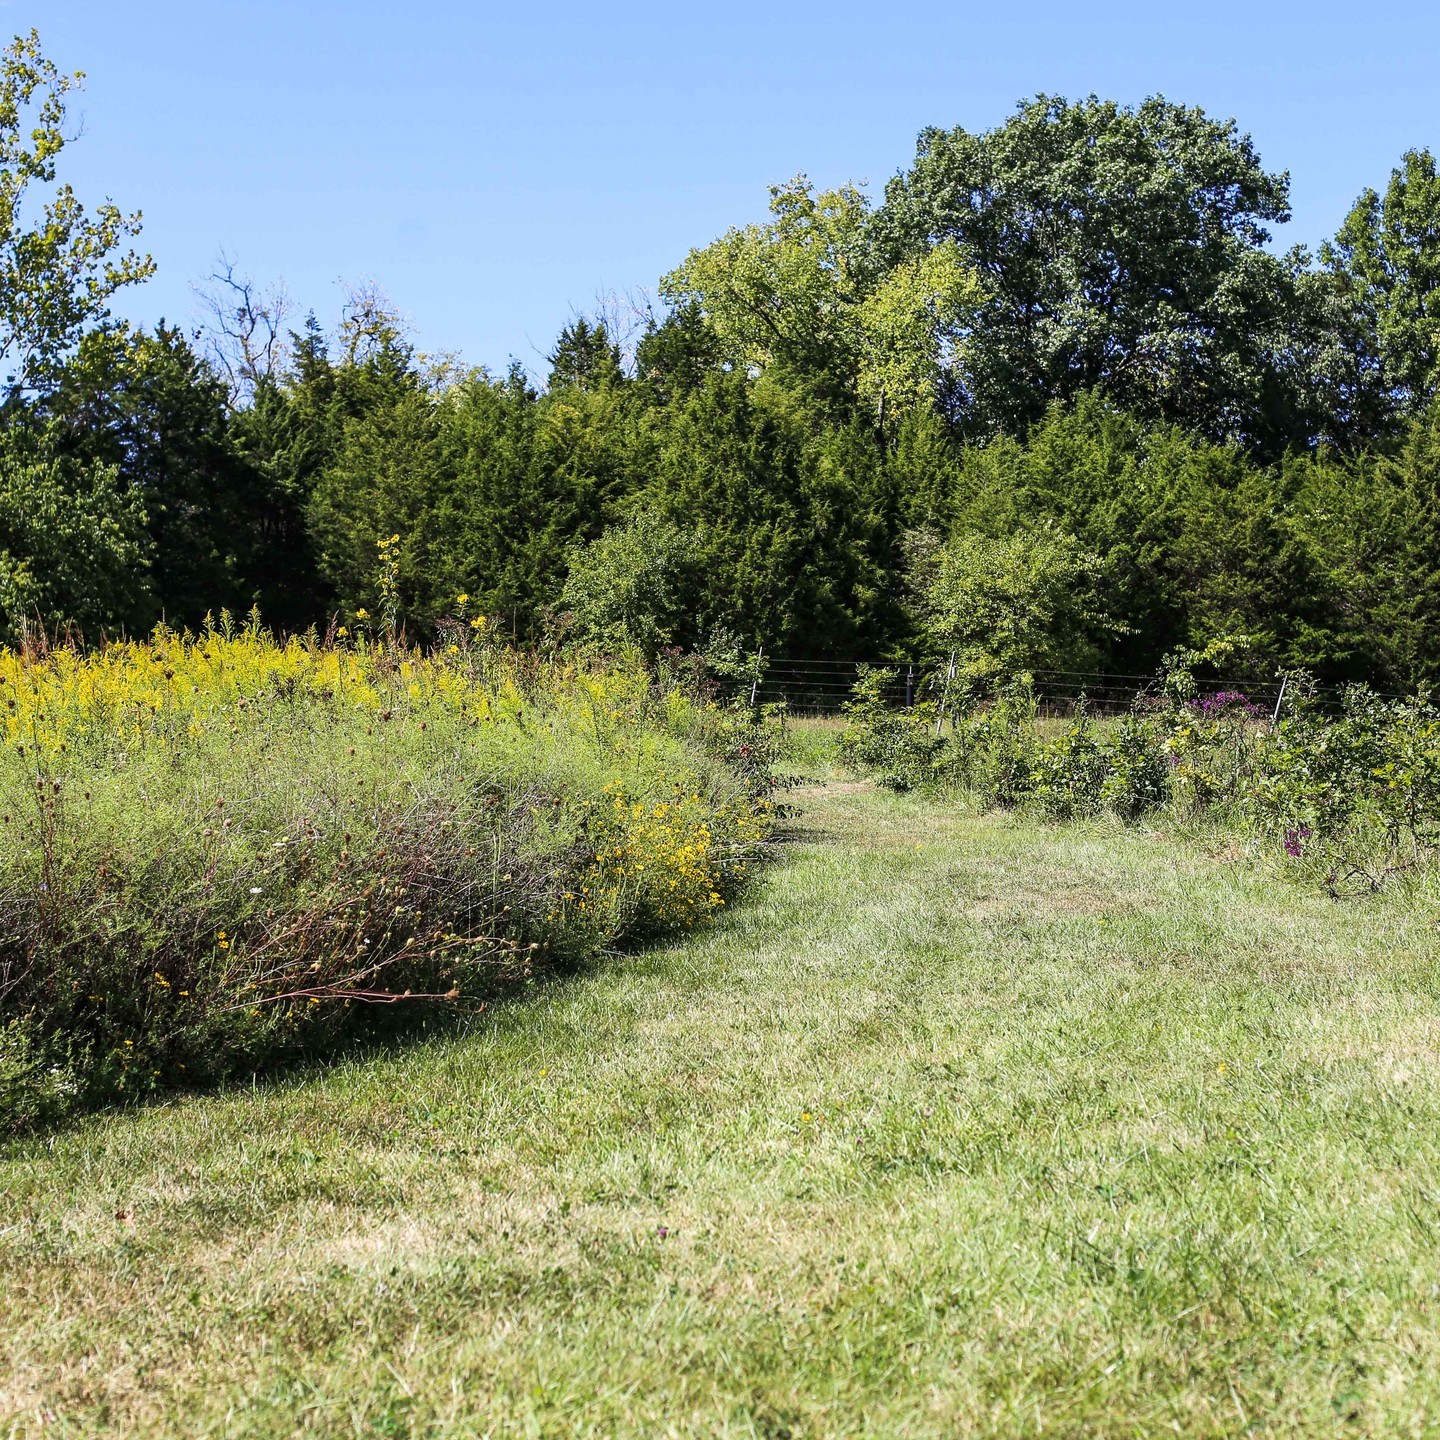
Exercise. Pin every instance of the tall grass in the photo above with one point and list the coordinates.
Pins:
(220, 852)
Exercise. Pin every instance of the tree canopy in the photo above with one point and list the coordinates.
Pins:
(59, 265)
(1387, 256)
(1053, 397)
(1117, 249)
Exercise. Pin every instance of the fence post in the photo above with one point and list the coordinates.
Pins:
(1279, 700)
(755, 679)
(945, 695)
(910, 688)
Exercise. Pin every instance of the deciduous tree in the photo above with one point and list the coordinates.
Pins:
(1387, 256)
(59, 264)
(1119, 250)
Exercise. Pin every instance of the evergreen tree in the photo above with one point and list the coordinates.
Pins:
(531, 475)
(584, 358)
(1371, 524)
(1194, 536)
(795, 523)
(674, 356)
(386, 480)
(150, 409)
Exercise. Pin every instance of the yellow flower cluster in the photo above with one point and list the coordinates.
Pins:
(667, 848)
(184, 684)
(668, 863)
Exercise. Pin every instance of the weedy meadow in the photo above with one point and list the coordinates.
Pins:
(220, 852)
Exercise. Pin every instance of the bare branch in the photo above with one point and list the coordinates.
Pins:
(369, 321)
(626, 316)
(244, 328)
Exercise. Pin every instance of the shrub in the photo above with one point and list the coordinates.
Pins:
(1006, 606)
(991, 749)
(1068, 774)
(72, 546)
(1355, 795)
(222, 852)
(634, 587)
(1138, 771)
(898, 748)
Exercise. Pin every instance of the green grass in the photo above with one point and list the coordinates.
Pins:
(957, 1126)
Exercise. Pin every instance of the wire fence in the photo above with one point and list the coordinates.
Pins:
(821, 687)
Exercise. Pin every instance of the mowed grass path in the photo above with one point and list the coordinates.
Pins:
(957, 1126)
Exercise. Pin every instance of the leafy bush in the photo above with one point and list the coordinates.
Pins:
(1358, 793)
(1355, 795)
(991, 749)
(1137, 768)
(899, 748)
(72, 547)
(635, 586)
(217, 853)
(1068, 774)
(1005, 606)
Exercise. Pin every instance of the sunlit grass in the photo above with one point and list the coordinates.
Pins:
(959, 1126)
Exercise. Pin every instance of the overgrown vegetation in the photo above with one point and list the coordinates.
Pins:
(1349, 791)
(1127, 1138)
(219, 852)
(958, 1126)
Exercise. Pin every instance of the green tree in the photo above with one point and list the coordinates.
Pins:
(805, 293)
(73, 548)
(1387, 258)
(676, 354)
(1119, 250)
(1007, 605)
(387, 478)
(1371, 526)
(584, 357)
(923, 460)
(286, 442)
(328, 434)
(795, 518)
(148, 407)
(787, 291)
(58, 264)
(291, 432)
(1197, 538)
(634, 586)
(532, 475)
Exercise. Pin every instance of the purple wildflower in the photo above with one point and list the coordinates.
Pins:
(1223, 700)
(1295, 840)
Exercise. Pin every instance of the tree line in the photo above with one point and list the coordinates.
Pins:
(1066, 348)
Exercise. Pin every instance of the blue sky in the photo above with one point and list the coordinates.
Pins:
(496, 167)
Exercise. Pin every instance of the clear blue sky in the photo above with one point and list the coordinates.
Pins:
(493, 167)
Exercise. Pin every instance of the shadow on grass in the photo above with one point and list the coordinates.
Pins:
(389, 1030)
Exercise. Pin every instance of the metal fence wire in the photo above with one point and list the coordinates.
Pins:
(821, 687)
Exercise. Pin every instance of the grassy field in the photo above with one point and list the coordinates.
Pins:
(956, 1126)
